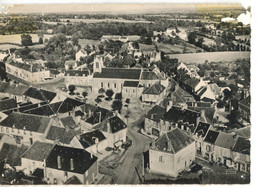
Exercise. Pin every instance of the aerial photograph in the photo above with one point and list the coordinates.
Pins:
(125, 94)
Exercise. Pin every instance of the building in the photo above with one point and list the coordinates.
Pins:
(78, 77)
(79, 54)
(66, 162)
(244, 108)
(70, 64)
(36, 95)
(26, 128)
(209, 144)
(35, 156)
(172, 153)
(32, 73)
(7, 104)
(114, 38)
(154, 93)
(132, 89)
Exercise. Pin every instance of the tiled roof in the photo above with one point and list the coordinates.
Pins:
(209, 112)
(225, 140)
(60, 134)
(7, 104)
(202, 129)
(192, 82)
(156, 113)
(131, 83)
(68, 122)
(176, 114)
(3, 86)
(82, 159)
(77, 73)
(116, 124)
(79, 113)
(211, 136)
(40, 94)
(88, 139)
(118, 73)
(176, 139)
(99, 115)
(201, 91)
(38, 151)
(244, 132)
(17, 89)
(149, 75)
(29, 122)
(155, 89)
(27, 67)
(242, 145)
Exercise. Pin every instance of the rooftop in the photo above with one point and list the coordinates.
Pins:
(173, 141)
(91, 138)
(156, 113)
(40, 94)
(38, 151)
(7, 104)
(60, 134)
(82, 160)
(211, 137)
(27, 67)
(202, 129)
(225, 140)
(68, 122)
(131, 84)
(242, 145)
(118, 73)
(155, 89)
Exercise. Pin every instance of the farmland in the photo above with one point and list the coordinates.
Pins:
(16, 38)
(199, 58)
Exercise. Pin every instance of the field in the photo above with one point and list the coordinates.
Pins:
(199, 58)
(16, 38)
(177, 49)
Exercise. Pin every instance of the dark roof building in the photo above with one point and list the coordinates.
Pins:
(8, 104)
(114, 125)
(26, 121)
(61, 157)
(40, 94)
(68, 122)
(118, 73)
(38, 151)
(173, 141)
(225, 140)
(131, 84)
(155, 89)
(242, 145)
(59, 134)
(91, 138)
(211, 136)
(202, 129)
(156, 113)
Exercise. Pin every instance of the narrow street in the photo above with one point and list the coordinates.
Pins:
(125, 172)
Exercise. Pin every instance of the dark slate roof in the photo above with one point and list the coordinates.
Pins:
(177, 138)
(3, 86)
(192, 82)
(69, 104)
(156, 113)
(176, 114)
(131, 83)
(40, 94)
(38, 151)
(73, 180)
(96, 118)
(209, 112)
(28, 107)
(68, 122)
(225, 140)
(76, 73)
(201, 91)
(88, 139)
(155, 89)
(79, 113)
(116, 124)
(60, 134)
(29, 122)
(17, 89)
(211, 136)
(82, 160)
(27, 67)
(7, 104)
(181, 96)
(242, 145)
(38, 173)
(149, 75)
(244, 132)
(118, 73)
(202, 129)
(12, 153)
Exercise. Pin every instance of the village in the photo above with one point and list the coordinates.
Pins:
(159, 104)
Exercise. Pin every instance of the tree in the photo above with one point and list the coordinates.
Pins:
(109, 93)
(26, 39)
(192, 38)
(117, 105)
(72, 89)
(40, 40)
(101, 91)
(127, 100)
(118, 96)
(127, 115)
(84, 94)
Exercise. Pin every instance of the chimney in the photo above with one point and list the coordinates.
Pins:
(91, 155)
(170, 103)
(89, 113)
(59, 162)
(71, 164)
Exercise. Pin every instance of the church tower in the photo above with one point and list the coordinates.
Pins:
(98, 64)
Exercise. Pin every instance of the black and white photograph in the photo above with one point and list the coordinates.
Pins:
(110, 93)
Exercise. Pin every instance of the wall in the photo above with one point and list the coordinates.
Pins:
(31, 165)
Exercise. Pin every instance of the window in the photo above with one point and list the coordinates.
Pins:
(115, 85)
(126, 90)
(97, 65)
(133, 90)
(65, 173)
(2, 129)
(160, 158)
(7, 130)
(102, 85)
(18, 131)
(24, 131)
(31, 133)
(154, 96)
(208, 148)
(108, 85)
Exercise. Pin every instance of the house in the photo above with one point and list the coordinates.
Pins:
(66, 162)
(33, 73)
(172, 153)
(7, 104)
(244, 108)
(154, 93)
(132, 89)
(70, 64)
(12, 90)
(94, 141)
(241, 155)
(223, 148)
(209, 144)
(114, 130)
(69, 123)
(179, 96)
(35, 156)
(78, 77)
(36, 95)
(114, 38)
(26, 128)
(152, 120)
(191, 85)
(206, 94)
(79, 54)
